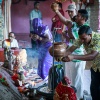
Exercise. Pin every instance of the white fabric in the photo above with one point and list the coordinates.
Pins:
(7, 18)
(14, 43)
(75, 71)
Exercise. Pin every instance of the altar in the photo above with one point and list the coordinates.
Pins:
(15, 51)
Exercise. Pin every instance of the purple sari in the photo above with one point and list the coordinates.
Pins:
(45, 60)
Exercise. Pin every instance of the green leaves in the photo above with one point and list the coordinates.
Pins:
(58, 65)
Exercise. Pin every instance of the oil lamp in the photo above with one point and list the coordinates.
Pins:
(31, 88)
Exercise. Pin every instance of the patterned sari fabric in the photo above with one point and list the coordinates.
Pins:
(64, 92)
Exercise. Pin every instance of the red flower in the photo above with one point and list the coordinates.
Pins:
(14, 77)
(0, 76)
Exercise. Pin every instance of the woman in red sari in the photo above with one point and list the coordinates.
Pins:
(64, 91)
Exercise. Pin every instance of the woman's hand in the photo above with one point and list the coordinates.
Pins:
(35, 37)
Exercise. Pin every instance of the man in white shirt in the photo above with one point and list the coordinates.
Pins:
(11, 42)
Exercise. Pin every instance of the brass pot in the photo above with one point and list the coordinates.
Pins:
(59, 49)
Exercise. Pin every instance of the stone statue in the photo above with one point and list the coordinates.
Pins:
(9, 58)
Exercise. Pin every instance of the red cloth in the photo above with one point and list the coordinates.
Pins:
(58, 23)
(64, 89)
(2, 58)
(14, 77)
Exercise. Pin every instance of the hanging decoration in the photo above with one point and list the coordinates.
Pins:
(76, 0)
(89, 2)
(64, 0)
(86, 3)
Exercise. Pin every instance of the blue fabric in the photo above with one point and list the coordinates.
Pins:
(34, 14)
(58, 37)
(0, 1)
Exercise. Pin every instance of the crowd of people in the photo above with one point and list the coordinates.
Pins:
(83, 37)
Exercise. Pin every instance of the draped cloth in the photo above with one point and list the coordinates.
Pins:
(64, 92)
(1, 24)
(6, 11)
(44, 58)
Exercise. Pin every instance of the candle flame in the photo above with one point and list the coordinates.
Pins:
(33, 83)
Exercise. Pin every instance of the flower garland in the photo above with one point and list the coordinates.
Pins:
(3, 80)
(68, 0)
(64, 1)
